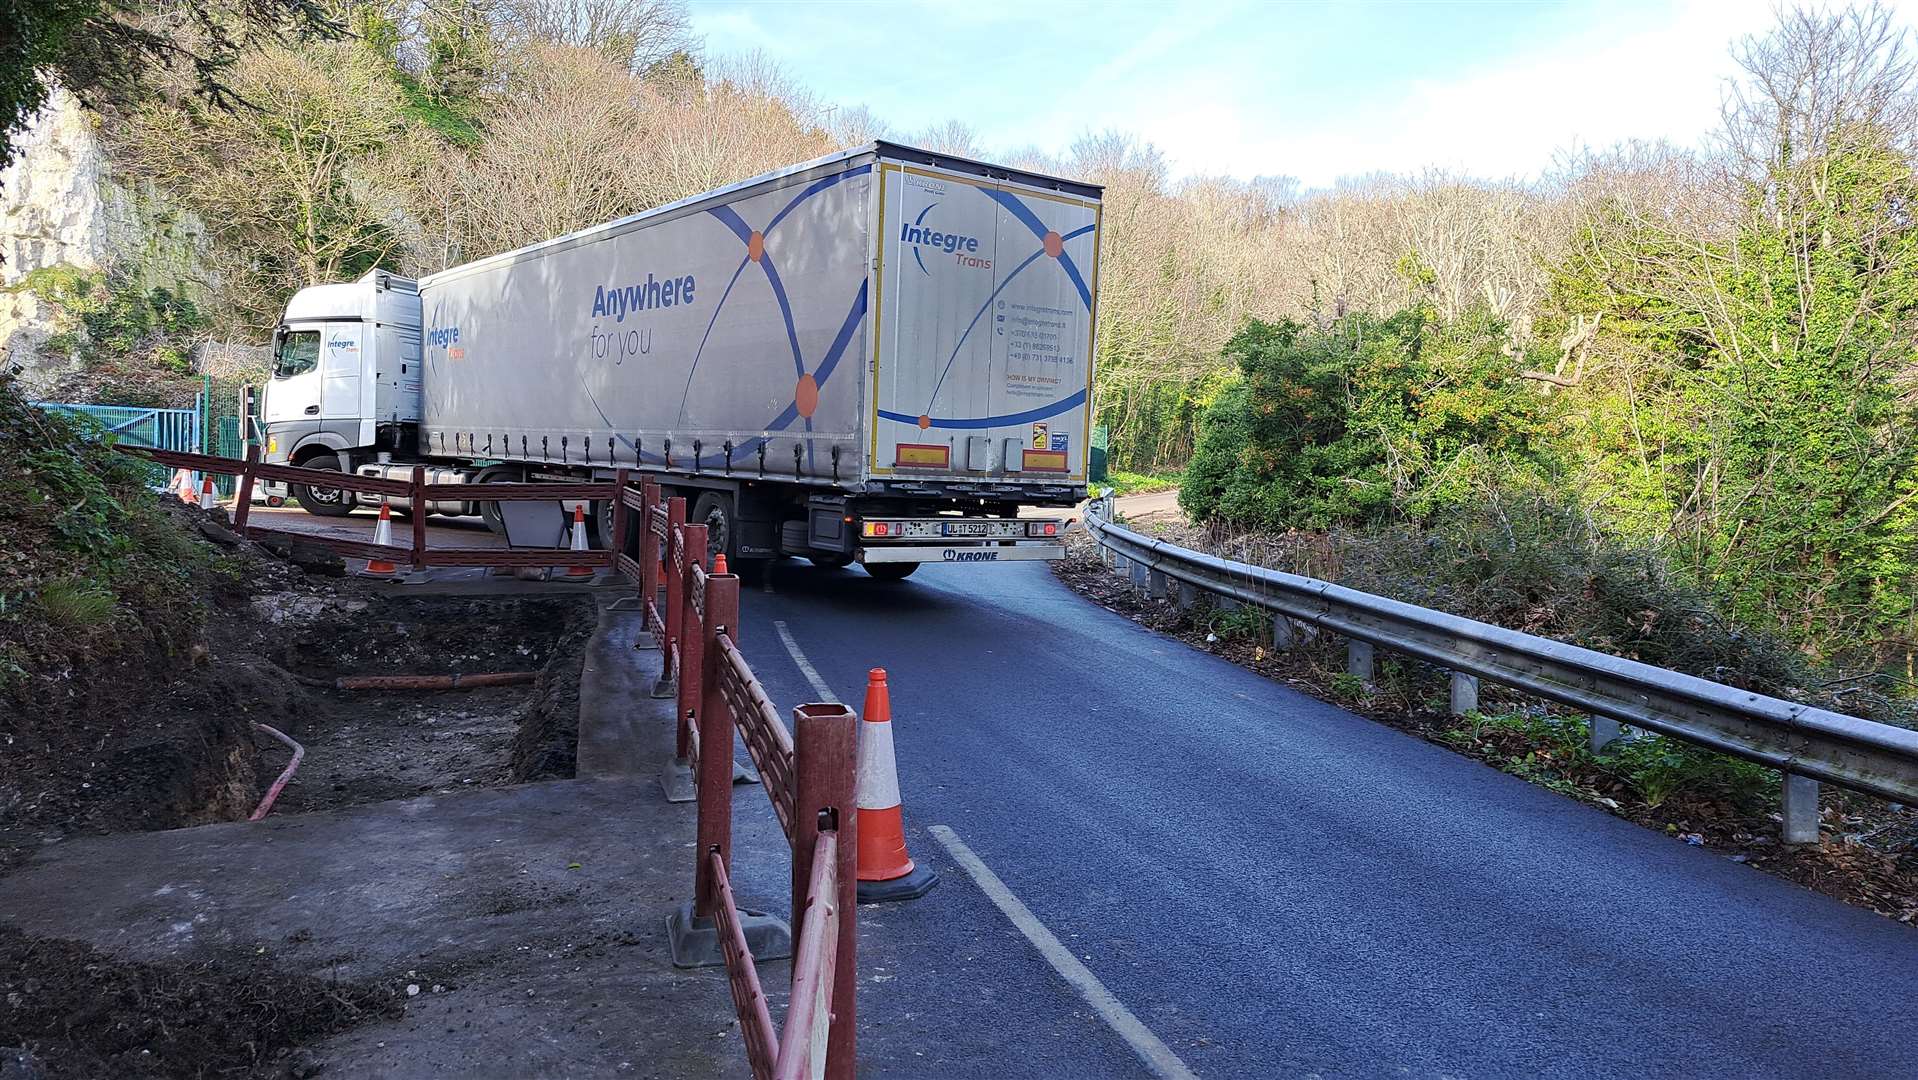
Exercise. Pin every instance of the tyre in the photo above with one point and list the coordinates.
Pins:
(324, 502)
(489, 511)
(831, 562)
(714, 509)
(891, 571)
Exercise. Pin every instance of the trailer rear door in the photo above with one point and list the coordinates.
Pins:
(987, 294)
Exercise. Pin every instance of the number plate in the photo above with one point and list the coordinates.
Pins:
(967, 528)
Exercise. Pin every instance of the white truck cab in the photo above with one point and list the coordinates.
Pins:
(346, 378)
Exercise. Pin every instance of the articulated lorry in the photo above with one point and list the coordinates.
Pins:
(876, 357)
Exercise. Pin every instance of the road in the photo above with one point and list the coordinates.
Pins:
(1151, 506)
(1271, 886)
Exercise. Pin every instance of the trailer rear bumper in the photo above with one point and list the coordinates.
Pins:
(962, 553)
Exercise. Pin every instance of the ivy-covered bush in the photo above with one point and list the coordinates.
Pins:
(1369, 420)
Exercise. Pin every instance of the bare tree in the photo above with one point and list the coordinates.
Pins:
(1820, 76)
(635, 33)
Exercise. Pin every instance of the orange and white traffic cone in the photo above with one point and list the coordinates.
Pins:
(208, 497)
(579, 573)
(183, 487)
(382, 535)
(886, 872)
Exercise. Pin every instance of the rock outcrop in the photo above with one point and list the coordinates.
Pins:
(62, 206)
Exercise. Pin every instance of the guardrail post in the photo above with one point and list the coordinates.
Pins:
(1155, 584)
(825, 755)
(1358, 659)
(1283, 639)
(1798, 808)
(1186, 595)
(715, 720)
(1464, 693)
(1138, 574)
(1605, 732)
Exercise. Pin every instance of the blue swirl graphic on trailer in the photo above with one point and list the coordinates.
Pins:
(828, 363)
(1030, 220)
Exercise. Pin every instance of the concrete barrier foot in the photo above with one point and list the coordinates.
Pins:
(695, 941)
(676, 781)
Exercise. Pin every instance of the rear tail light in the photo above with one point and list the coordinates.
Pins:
(1043, 528)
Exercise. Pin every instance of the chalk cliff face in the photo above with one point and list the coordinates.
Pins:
(61, 206)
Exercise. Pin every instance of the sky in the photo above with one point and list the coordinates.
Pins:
(1312, 90)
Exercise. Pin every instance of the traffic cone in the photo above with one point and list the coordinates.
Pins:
(382, 535)
(579, 573)
(886, 872)
(719, 563)
(208, 497)
(183, 487)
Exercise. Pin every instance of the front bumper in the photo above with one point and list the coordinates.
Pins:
(962, 553)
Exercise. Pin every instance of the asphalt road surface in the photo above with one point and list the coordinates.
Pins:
(1237, 880)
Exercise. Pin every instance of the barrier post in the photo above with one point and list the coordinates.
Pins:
(618, 540)
(675, 598)
(649, 556)
(418, 499)
(243, 504)
(715, 719)
(694, 634)
(825, 754)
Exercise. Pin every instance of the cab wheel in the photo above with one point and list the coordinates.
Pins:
(323, 502)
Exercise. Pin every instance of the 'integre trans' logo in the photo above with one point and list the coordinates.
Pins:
(964, 249)
(447, 338)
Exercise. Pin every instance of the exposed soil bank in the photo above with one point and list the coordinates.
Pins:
(69, 1010)
(371, 746)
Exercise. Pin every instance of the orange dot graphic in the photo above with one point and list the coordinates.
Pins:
(925, 422)
(1055, 244)
(806, 395)
(756, 245)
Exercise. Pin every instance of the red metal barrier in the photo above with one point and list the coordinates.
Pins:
(418, 491)
(808, 774)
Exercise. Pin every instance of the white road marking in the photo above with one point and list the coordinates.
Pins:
(1157, 1056)
(805, 666)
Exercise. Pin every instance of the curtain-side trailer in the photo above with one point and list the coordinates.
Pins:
(878, 356)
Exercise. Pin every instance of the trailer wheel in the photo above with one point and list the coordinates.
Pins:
(837, 561)
(714, 509)
(891, 571)
(324, 502)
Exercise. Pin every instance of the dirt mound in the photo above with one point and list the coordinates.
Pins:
(80, 1013)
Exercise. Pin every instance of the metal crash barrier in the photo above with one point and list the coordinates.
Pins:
(1805, 743)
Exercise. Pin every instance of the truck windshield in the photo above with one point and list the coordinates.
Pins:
(299, 353)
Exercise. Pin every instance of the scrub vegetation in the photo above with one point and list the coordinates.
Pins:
(1707, 372)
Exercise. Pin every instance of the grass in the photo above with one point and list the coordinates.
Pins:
(1132, 483)
(76, 604)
